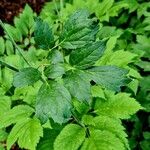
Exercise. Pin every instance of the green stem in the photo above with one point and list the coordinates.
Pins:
(57, 45)
(8, 66)
(61, 8)
(13, 42)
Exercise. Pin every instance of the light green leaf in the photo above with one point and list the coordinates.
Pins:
(26, 76)
(114, 11)
(110, 77)
(121, 58)
(133, 85)
(120, 105)
(25, 21)
(88, 55)
(104, 6)
(14, 32)
(43, 35)
(2, 147)
(14, 115)
(97, 91)
(70, 138)
(5, 104)
(3, 135)
(108, 124)
(27, 132)
(2, 46)
(102, 140)
(53, 101)
(9, 47)
(112, 125)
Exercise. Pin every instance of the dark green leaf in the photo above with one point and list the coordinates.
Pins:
(79, 30)
(26, 76)
(55, 57)
(88, 55)
(47, 142)
(110, 77)
(53, 101)
(54, 71)
(43, 35)
(79, 85)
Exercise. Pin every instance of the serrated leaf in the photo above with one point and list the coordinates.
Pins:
(78, 85)
(104, 6)
(43, 35)
(25, 22)
(27, 132)
(14, 115)
(79, 30)
(88, 55)
(97, 91)
(26, 76)
(53, 101)
(108, 124)
(55, 70)
(112, 125)
(110, 77)
(14, 32)
(102, 140)
(119, 58)
(114, 11)
(70, 138)
(120, 105)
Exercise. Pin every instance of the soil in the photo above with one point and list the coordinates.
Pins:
(11, 8)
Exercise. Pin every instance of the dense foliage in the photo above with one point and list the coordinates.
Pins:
(74, 77)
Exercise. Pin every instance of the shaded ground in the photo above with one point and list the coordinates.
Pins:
(11, 8)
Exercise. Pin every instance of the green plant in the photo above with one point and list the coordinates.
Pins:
(69, 86)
